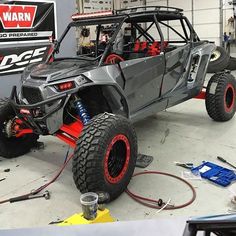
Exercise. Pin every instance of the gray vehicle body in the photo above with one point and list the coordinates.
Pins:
(135, 88)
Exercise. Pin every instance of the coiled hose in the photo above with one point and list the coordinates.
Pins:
(156, 203)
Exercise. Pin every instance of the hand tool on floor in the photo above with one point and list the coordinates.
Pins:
(2, 179)
(185, 165)
(45, 195)
(224, 161)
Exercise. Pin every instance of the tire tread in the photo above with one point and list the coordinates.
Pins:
(87, 175)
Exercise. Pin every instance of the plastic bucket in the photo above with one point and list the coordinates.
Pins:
(89, 202)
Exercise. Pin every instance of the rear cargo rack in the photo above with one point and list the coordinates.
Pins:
(149, 8)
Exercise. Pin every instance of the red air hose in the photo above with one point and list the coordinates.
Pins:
(38, 190)
(155, 203)
(142, 200)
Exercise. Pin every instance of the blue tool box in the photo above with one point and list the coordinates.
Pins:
(217, 174)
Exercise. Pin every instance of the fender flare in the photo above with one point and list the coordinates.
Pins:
(117, 89)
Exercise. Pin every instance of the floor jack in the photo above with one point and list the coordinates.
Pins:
(94, 211)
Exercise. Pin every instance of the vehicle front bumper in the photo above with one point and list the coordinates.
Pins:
(27, 112)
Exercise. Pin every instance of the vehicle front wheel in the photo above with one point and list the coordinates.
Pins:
(105, 155)
(11, 146)
(220, 97)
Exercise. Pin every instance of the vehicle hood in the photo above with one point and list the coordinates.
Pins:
(58, 70)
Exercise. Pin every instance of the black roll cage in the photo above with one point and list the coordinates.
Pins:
(134, 17)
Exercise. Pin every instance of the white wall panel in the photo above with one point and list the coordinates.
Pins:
(204, 4)
(156, 2)
(186, 5)
(207, 19)
(188, 14)
(209, 32)
(207, 16)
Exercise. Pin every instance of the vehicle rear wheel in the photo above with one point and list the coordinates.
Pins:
(105, 155)
(219, 60)
(11, 146)
(220, 97)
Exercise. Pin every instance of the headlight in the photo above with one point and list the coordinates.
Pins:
(65, 86)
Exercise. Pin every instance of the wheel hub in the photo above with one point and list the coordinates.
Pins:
(8, 128)
(117, 159)
(229, 98)
(15, 128)
(215, 56)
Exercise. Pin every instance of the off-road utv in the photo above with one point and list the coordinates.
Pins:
(131, 64)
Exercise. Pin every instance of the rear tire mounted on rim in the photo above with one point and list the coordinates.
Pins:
(220, 97)
(105, 156)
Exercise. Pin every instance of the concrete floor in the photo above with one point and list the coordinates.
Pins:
(184, 133)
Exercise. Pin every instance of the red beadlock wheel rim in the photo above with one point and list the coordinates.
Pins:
(117, 159)
(229, 98)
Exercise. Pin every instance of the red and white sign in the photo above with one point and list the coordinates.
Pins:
(17, 16)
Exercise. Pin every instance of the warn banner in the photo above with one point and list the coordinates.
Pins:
(17, 16)
(26, 30)
(27, 21)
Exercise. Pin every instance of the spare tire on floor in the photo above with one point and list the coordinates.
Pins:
(231, 64)
(219, 60)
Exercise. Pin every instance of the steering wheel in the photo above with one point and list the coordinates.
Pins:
(113, 59)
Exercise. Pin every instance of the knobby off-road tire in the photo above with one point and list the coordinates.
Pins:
(231, 64)
(105, 155)
(13, 147)
(220, 97)
(219, 60)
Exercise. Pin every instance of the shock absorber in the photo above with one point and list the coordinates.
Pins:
(82, 112)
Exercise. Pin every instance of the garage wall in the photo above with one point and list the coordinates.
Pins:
(205, 15)
(64, 12)
(207, 19)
